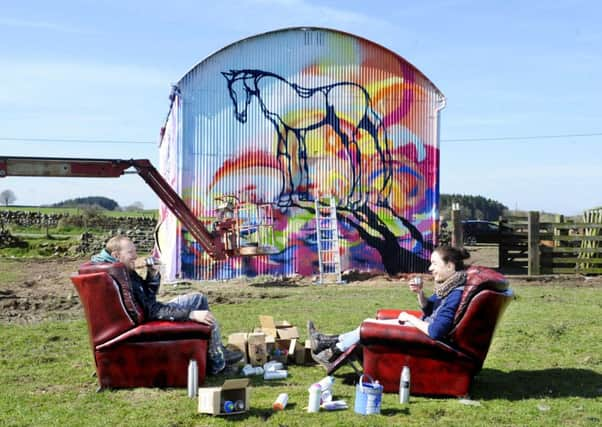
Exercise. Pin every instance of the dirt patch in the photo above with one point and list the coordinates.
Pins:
(36, 290)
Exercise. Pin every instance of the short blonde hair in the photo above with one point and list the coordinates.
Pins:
(115, 243)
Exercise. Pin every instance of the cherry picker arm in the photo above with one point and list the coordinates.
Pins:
(218, 244)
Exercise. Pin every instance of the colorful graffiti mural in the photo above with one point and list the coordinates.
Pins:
(342, 118)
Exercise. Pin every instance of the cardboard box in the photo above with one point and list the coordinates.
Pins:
(211, 399)
(279, 330)
(303, 353)
(258, 354)
(238, 341)
(285, 337)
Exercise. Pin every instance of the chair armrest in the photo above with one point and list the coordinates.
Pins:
(393, 313)
(161, 330)
(412, 340)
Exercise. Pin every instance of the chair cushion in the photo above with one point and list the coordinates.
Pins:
(479, 278)
(119, 273)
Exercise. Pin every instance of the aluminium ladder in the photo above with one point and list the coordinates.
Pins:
(327, 238)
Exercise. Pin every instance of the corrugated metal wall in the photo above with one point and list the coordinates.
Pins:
(286, 116)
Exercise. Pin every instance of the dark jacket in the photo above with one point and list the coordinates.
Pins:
(145, 292)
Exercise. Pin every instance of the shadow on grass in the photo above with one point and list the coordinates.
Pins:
(553, 382)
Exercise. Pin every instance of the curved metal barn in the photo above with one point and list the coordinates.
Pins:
(300, 114)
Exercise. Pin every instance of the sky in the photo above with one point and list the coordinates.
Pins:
(522, 125)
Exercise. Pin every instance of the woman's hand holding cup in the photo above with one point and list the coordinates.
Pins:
(415, 284)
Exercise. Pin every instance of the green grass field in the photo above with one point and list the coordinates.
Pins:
(544, 367)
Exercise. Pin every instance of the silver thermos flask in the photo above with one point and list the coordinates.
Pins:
(404, 385)
(193, 378)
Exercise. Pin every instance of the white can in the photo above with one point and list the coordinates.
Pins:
(326, 383)
(249, 370)
(313, 404)
(278, 374)
(273, 366)
(280, 402)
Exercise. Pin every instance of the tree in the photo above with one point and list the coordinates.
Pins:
(7, 197)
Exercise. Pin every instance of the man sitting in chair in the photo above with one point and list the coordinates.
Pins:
(192, 306)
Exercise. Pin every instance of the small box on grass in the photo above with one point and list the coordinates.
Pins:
(284, 336)
(256, 343)
(212, 399)
(238, 341)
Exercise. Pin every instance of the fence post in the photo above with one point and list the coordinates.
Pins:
(458, 235)
(534, 266)
(501, 252)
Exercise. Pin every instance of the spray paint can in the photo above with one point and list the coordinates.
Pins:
(193, 378)
(404, 385)
(239, 405)
(280, 402)
(228, 406)
(326, 383)
(313, 404)
(249, 370)
(278, 374)
(273, 366)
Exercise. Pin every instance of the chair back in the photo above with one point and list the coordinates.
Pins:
(485, 298)
(102, 298)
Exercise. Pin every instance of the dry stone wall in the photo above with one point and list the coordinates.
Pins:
(140, 229)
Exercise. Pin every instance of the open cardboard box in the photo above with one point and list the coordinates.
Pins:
(211, 399)
(238, 341)
(279, 330)
(283, 335)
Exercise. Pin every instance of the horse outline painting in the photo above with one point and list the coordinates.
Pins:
(244, 85)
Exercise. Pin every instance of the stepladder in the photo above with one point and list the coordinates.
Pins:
(327, 239)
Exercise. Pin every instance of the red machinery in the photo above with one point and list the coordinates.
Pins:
(220, 243)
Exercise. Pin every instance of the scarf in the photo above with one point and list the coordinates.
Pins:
(455, 280)
(103, 256)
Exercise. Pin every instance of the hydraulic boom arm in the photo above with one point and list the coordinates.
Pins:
(107, 168)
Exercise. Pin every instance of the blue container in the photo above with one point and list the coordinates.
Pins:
(368, 396)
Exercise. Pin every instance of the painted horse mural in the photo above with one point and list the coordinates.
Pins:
(343, 109)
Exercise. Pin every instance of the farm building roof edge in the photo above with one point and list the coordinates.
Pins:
(310, 28)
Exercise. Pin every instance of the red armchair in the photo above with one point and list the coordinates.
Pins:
(129, 352)
(438, 368)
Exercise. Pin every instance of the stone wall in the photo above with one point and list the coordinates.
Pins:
(140, 229)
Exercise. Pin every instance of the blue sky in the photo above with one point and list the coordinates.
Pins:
(101, 70)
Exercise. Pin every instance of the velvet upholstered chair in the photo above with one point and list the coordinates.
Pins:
(436, 367)
(129, 352)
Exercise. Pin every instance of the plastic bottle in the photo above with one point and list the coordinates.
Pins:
(404, 385)
(313, 404)
(193, 378)
(280, 402)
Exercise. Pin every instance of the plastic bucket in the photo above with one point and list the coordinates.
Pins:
(368, 396)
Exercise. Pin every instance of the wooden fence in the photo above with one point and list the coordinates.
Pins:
(558, 247)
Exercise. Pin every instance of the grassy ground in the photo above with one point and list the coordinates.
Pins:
(544, 367)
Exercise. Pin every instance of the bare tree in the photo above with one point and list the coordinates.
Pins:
(7, 197)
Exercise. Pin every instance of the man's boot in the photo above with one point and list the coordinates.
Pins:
(319, 341)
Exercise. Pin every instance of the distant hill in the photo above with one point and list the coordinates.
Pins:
(103, 202)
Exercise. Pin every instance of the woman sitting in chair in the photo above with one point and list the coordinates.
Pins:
(448, 270)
